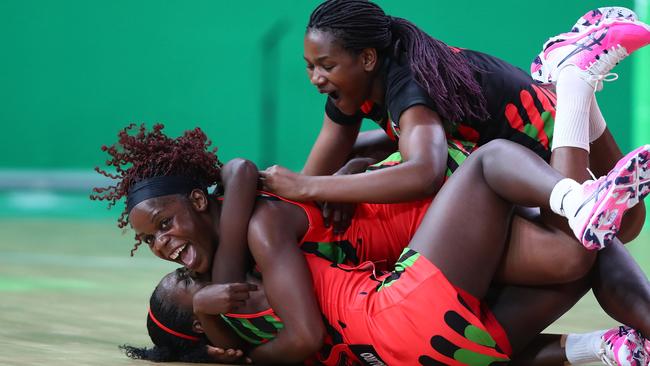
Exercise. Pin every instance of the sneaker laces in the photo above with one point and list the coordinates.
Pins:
(599, 70)
(626, 335)
(593, 177)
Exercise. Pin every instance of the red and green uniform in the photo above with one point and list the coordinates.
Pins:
(520, 110)
(370, 314)
(410, 316)
(378, 232)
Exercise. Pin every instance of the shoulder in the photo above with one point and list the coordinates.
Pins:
(403, 90)
(275, 222)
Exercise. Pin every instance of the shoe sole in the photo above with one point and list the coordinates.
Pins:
(631, 351)
(604, 24)
(629, 182)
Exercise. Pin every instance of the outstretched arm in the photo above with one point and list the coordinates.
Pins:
(424, 150)
(332, 148)
(374, 144)
(230, 262)
(289, 289)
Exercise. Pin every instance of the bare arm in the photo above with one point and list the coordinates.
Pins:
(230, 263)
(289, 289)
(373, 144)
(424, 150)
(331, 149)
(219, 333)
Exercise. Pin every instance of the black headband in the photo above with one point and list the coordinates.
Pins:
(160, 186)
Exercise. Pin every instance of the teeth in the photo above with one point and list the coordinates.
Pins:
(177, 252)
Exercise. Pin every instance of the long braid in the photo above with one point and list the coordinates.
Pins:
(446, 76)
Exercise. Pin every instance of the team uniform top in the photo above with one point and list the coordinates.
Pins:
(377, 232)
(519, 109)
(372, 318)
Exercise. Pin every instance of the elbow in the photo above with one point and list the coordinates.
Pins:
(241, 168)
(427, 182)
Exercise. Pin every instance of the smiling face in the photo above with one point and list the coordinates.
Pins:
(177, 228)
(347, 77)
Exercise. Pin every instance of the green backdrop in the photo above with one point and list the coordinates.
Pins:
(73, 72)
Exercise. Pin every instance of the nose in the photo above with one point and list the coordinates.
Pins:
(317, 79)
(159, 245)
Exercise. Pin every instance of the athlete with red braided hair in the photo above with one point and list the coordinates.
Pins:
(173, 214)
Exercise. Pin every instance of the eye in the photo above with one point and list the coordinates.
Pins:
(148, 239)
(310, 67)
(165, 224)
(328, 67)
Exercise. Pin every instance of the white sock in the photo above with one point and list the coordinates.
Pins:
(597, 123)
(574, 97)
(562, 202)
(583, 348)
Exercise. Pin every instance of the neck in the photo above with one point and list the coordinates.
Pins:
(215, 216)
(378, 85)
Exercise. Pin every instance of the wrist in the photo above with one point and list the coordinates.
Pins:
(308, 188)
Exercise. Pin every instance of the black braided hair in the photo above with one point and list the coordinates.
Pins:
(168, 347)
(445, 74)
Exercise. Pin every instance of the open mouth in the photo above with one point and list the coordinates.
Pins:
(334, 95)
(177, 252)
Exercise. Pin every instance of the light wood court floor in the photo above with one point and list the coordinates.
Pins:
(70, 293)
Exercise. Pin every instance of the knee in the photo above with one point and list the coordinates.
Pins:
(496, 149)
(575, 265)
(632, 223)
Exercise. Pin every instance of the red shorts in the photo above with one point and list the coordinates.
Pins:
(410, 316)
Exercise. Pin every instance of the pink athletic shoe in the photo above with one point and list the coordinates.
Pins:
(624, 346)
(595, 50)
(538, 69)
(598, 218)
(595, 16)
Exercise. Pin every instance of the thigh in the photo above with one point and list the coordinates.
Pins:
(538, 254)
(524, 312)
(465, 228)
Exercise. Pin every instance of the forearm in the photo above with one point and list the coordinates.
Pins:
(373, 144)
(331, 149)
(218, 332)
(240, 179)
(319, 165)
(403, 182)
(281, 350)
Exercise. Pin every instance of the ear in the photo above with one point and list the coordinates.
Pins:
(199, 200)
(369, 59)
(197, 327)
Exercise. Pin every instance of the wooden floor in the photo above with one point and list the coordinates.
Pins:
(70, 293)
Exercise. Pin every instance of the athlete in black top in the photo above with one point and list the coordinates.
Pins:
(443, 102)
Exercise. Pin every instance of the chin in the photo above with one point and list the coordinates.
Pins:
(348, 108)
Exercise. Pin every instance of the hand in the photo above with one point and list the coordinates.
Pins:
(356, 165)
(221, 355)
(222, 298)
(283, 182)
(338, 215)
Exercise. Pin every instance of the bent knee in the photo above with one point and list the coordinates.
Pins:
(632, 223)
(575, 265)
